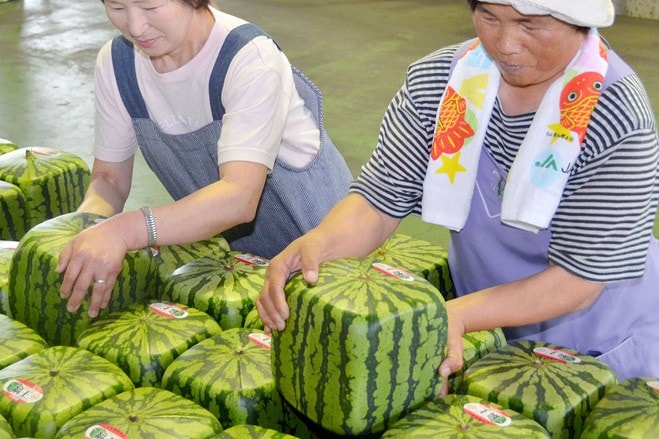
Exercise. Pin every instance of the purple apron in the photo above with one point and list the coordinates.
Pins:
(621, 328)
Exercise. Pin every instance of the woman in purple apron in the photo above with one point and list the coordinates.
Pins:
(233, 132)
(536, 145)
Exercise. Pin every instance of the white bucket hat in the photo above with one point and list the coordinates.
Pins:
(587, 13)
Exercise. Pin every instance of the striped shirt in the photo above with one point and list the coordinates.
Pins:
(603, 224)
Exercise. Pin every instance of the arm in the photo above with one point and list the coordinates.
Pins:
(352, 228)
(109, 187)
(551, 293)
(91, 255)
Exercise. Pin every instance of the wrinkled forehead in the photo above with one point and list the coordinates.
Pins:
(586, 13)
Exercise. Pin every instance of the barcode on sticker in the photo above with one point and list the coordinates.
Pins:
(556, 355)
(250, 259)
(393, 271)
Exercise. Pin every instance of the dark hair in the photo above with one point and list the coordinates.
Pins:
(194, 4)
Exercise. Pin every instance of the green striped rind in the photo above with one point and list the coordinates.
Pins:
(72, 380)
(17, 341)
(143, 342)
(422, 257)
(365, 346)
(145, 413)
(253, 320)
(6, 431)
(252, 432)
(14, 220)
(222, 285)
(231, 376)
(475, 345)
(630, 410)
(170, 257)
(558, 395)
(34, 286)
(6, 254)
(446, 418)
(7, 146)
(53, 181)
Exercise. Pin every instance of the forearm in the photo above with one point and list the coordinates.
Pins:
(109, 188)
(353, 228)
(103, 199)
(204, 213)
(546, 295)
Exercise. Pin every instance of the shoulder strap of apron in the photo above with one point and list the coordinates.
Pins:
(123, 61)
(235, 41)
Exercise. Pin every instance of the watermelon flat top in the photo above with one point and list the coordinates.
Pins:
(464, 417)
(145, 412)
(144, 339)
(556, 386)
(628, 410)
(46, 389)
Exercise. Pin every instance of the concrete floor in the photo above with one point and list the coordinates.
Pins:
(356, 51)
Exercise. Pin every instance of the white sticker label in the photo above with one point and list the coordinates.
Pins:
(263, 340)
(393, 271)
(104, 431)
(21, 390)
(654, 385)
(43, 150)
(487, 414)
(250, 259)
(169, 310)
(9, 245)
(556, 355)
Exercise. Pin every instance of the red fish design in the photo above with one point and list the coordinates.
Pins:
(452, 128)
(578, 98)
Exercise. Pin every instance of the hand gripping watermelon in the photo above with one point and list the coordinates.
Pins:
(223, 285)
(252, 432)
(630, 410)
(43, 391)
(145, 338)
(14, 221)
(361, 346)
(168, 258)
(6, 254)
(475, 345)
(421, 257)
(53, 181)
(230, 375)
(556, 386)
(142, 413)
(17, 341)
(464, 417)
(34, 286)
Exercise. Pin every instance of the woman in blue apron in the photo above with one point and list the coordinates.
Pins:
(536, 145)
(231, 129)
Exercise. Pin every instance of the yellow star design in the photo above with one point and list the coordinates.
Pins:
(451, 166)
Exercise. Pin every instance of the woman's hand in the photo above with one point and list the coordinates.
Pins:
(302, 254)
(453, 361)
(93, 258)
